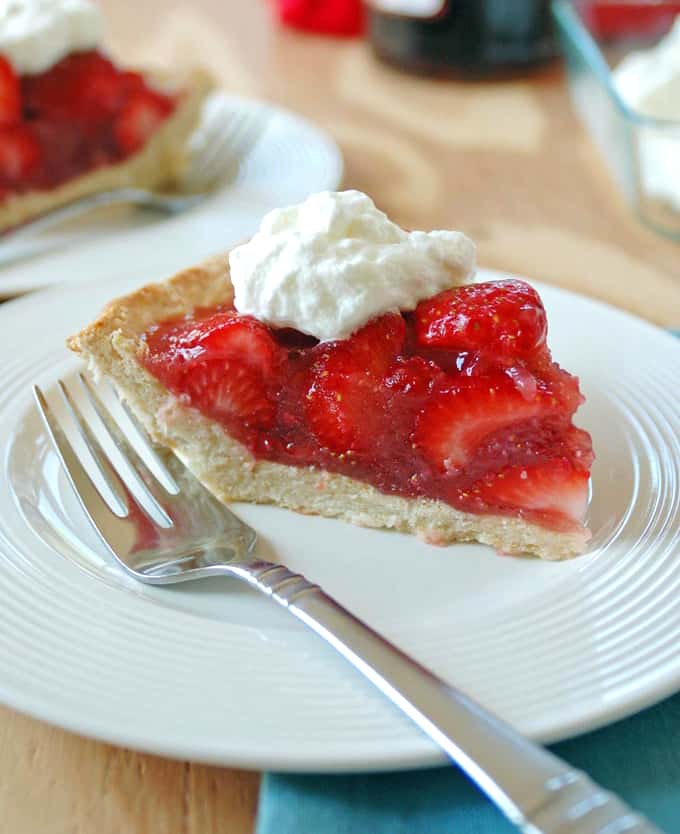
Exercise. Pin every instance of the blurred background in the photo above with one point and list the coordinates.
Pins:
(485, 138)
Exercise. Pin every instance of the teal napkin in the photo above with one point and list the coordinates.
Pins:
(638, 758)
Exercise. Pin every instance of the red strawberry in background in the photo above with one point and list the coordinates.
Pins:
(330, 17)
(84, 87)
(241, 337)
(139, 118)
(87, 89)
(224, 334)
(377, 343)
(97, 89)
(342, 406)
(10, 94)
(20, 154)
(345, 404)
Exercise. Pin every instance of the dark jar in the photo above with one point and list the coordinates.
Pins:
(468, 37)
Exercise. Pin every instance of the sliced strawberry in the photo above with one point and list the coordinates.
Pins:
(223, 334)
(245, 338)
(64, 149)
(99, 90)
(334, 408)
(10, 94)
(555, 486)
(345, 402)
(377, 343)
(20, 155)
(84, 86)
(413, 377)
(100, 96)
(503, 318)
(228, 389)
(458, 417)
(139, 118)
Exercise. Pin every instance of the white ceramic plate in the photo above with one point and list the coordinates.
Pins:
(291, 160)
(213, 672)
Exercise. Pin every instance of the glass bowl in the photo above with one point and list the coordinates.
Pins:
(642, 152)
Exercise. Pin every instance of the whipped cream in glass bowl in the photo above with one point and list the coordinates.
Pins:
(627, 96)
(36, 34)
(330, 264)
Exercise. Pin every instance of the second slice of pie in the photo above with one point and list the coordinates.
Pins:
(73, 122)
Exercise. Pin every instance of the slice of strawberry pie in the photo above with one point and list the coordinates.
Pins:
(447, 418)
(72, 122)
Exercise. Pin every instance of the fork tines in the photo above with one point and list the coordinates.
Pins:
(147, 483)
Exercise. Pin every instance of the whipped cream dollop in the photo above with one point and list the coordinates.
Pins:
(35, 34)
(330, 264)
(649, 82)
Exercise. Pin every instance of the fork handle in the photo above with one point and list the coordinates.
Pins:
(82, 205)
(538, 792)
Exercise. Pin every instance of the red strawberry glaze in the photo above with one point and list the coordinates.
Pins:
(80, 114)
(485, 431)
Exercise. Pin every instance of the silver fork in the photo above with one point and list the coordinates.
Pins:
(200, 537)
(227, 138)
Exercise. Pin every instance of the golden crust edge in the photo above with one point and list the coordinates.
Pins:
(161, 158)
(111, 345)
(204, 284)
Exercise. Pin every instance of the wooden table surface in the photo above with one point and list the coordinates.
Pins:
(505, 162)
